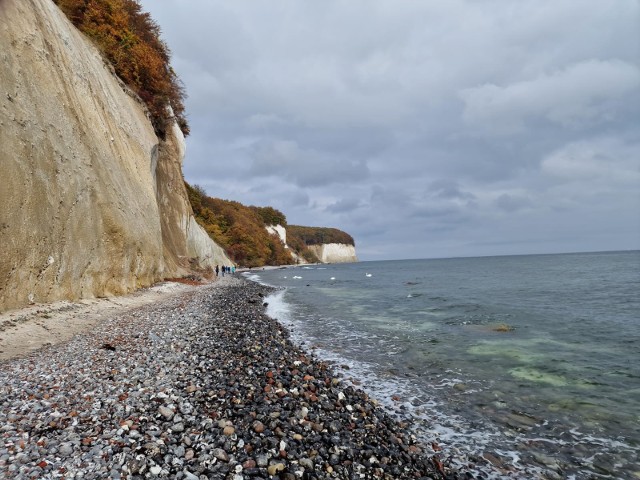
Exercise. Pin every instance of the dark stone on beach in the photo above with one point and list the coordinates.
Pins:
(220, 454)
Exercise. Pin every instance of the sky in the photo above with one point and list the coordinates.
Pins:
(425, 129)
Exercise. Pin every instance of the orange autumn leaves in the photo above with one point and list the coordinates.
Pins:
(240, 230)
(130, 40)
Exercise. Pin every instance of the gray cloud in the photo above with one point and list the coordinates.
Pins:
(512, 203)
(449, 189)
(305, 168)
(344, 205)
(579, 95)
(421, 128)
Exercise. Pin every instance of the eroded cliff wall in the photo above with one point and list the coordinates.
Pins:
(91, 203)
(334, 252)
(185, 243)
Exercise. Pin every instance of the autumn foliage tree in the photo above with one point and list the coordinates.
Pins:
(240, 230)
(297, 245)
(270, 216)
(130, 39)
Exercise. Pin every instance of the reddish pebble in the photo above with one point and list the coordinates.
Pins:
(258, 426)
(251, 463)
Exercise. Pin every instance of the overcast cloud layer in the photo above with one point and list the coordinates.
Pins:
(423, 128)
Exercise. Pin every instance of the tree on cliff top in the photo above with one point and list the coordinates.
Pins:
(270, 216)
(130, 40)
(319, 235)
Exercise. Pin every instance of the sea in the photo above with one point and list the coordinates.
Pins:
(514, 367)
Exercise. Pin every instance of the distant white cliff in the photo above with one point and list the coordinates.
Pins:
(325, 252)
(334, 252)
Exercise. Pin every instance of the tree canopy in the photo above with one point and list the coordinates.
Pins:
(270, 216)
(319, 235)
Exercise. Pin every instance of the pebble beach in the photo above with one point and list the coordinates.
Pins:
(200, 385)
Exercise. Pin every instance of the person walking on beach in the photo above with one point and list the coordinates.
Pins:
(217, 270)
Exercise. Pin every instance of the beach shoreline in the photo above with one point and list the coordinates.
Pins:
(198, 385)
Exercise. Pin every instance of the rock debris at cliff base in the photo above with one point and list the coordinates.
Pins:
(203, 385)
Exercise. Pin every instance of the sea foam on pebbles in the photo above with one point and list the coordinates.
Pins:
(200, 386)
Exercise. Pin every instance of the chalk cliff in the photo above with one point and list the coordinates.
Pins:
(280, 231)
(325, 252)
(334, 252)
(92, 203)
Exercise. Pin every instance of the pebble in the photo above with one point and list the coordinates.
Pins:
(275, 468)
(220, 454)
(65, 449)
(200, 385)
(166, 412)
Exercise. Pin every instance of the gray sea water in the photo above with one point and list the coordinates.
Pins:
(515, 366)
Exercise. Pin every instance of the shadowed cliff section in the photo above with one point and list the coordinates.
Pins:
(92, 203)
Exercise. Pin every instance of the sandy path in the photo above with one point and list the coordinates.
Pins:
(27, 329)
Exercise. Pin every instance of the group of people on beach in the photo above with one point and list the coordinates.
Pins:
(224, 269)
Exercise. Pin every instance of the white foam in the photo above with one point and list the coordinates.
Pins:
(253, 277)
(277, 307)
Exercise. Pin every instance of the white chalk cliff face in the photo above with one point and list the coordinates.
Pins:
(335, 252)
(92, 203)
(280, 231)
(326, 252)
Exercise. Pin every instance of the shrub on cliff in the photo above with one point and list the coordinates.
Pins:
(130, 40)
